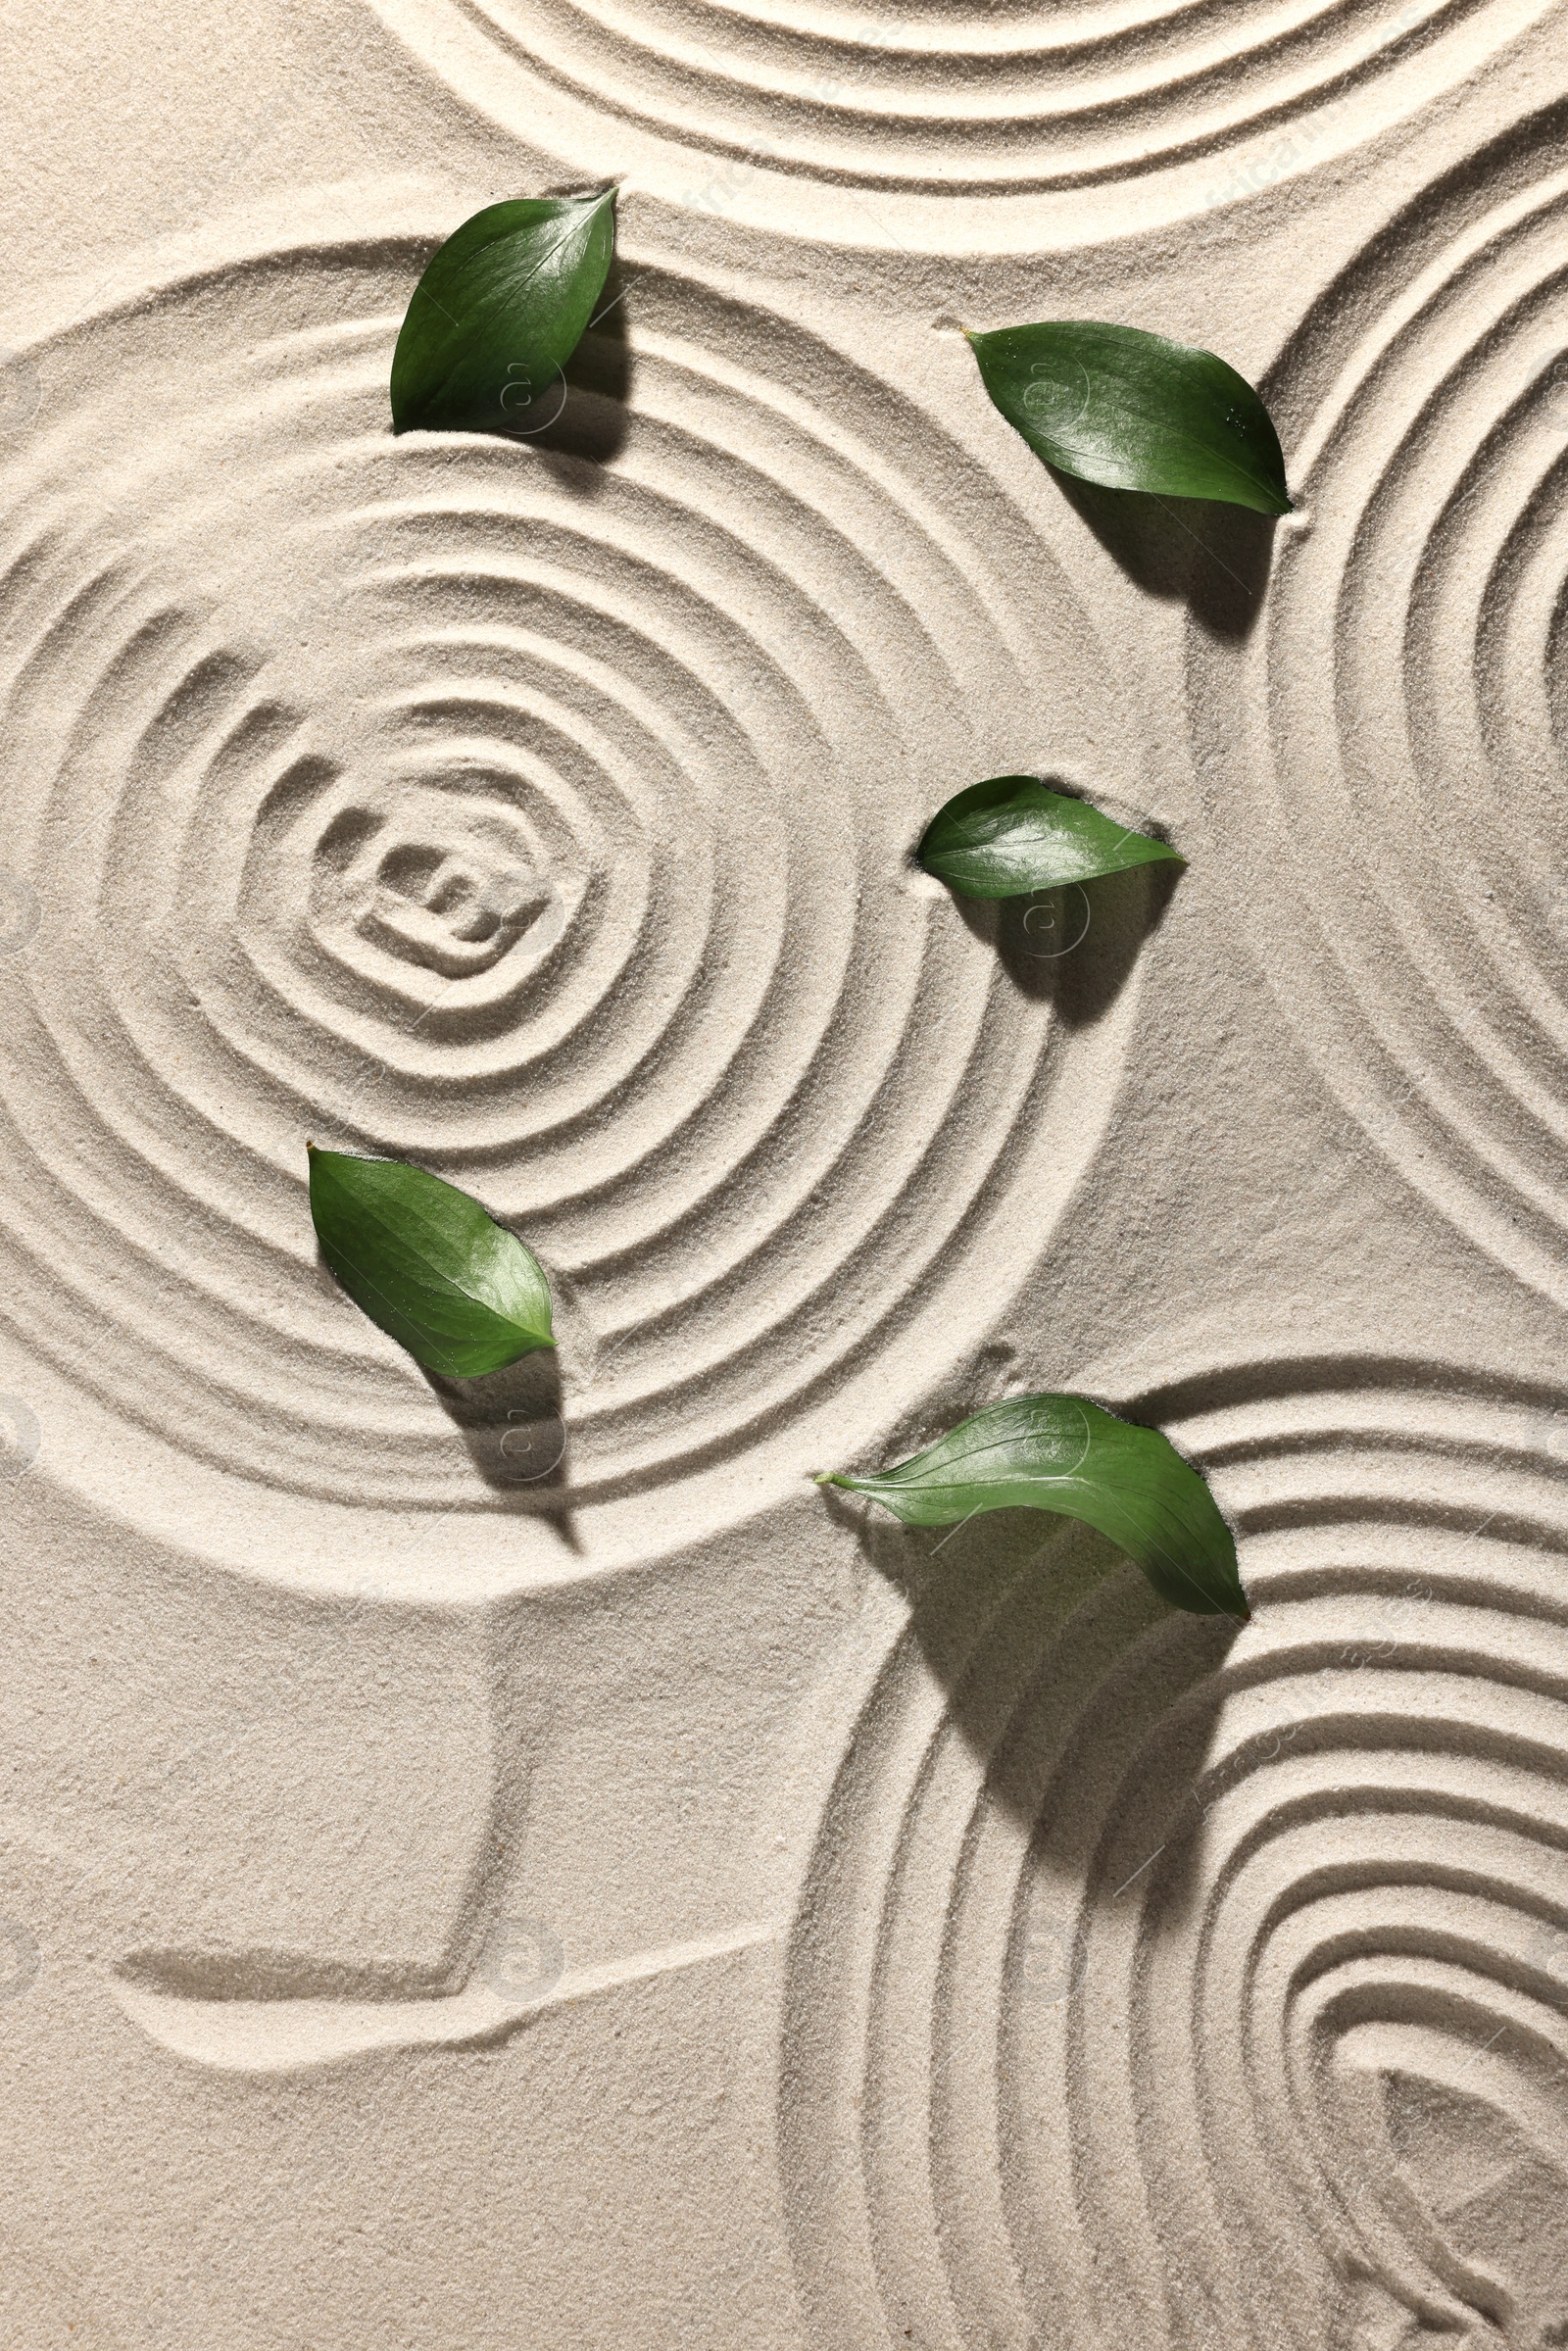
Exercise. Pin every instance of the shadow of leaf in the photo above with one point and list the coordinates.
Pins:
(1075, 947)
(1213, 558)
(590, 429)
(512, 1423)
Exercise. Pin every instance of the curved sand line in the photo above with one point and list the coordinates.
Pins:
(1154, 1986)
(536, 810)
(762, 112)
(1397, 775)
(237, 2034)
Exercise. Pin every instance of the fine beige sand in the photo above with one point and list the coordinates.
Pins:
(511, 1863)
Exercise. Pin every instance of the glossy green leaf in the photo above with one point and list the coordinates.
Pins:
(1064, 1454)
(423, 1260)
(499, 312)
(1013, 834)
(1135, 412)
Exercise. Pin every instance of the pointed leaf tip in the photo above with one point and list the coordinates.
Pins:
(1064, 1454)
(426, 1263)
(1133, 411)
(1013, 834)
(498, 312)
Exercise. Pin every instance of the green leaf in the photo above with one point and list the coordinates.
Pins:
(1013, 834)
(1063, 1453)
(1134, 412)
(499, 312)
(423, 1260)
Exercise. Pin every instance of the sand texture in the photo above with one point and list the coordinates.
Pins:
(511, 1862)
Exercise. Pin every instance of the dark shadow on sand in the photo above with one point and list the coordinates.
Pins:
(1074, 947)
(1213, 558)
(512, 1423)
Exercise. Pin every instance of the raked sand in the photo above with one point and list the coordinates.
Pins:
(511, 1863)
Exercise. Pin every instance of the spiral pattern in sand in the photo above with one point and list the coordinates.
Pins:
(537, 811)
(706, 99)
(1399, 773)
(1155, 1984)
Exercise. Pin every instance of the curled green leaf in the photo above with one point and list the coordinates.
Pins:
(498, 314)
(423, 1260)
(1013, 834)
(1064, 1454)
(1135, 412)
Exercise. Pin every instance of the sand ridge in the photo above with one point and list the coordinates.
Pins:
(511, 1861)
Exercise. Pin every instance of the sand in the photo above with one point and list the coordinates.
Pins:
(511, 1863)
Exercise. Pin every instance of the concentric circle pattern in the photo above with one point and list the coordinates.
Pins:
(934, 100)
(1163, 1983)
(1398, 784)
(538, 810)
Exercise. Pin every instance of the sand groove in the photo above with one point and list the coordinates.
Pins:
(536, 813)
(963, 99)
(247, 2035)
(1157, 1985)
(1404, 757)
